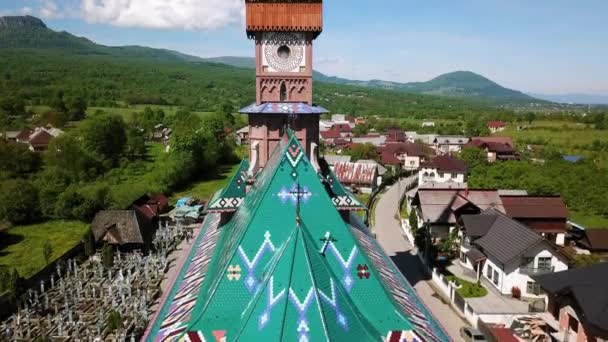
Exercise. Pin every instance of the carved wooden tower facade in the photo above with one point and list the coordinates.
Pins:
(283, 32)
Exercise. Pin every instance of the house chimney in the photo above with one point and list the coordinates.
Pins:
(254, 163)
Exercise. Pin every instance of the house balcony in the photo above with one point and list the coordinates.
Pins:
(536, 270)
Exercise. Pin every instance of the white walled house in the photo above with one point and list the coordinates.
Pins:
(506, 253)
(447, 144)
(441, 208)
(446, 170)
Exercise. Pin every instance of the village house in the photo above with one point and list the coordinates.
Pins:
(343, 128)
(578, 301)
(442, 171)
(375, 139)
(332, 160)
(496, 126)
(38, 139)
(440, 209)
(362, 177)
(151, 206)
(446, 144)
(496, 148)
(123, 228)
(595, 241)
(409, 156)
(381, 169)
(427, 124)
(329, 137)
(547, 215)
(395, 135)
(506, 253)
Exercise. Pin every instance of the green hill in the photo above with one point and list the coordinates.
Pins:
(462, 84)
(31, 32)
(39, 63)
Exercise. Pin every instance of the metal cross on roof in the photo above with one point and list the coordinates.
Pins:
(327, 239)
(298, 193)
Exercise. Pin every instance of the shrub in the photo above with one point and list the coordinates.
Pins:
(19, 202)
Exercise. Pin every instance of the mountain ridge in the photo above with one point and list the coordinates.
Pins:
(31, 32)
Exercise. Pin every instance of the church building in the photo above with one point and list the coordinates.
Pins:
(282, 254)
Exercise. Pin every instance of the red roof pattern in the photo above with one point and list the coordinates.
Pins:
(151, 206)
(24, 135)
(40, 139)
(447, 163)
(390, 151)
(341, 128)
(522, 207)
(497, 124)
(494, 144)
(356, 173)
(597, 239)
(330, 134)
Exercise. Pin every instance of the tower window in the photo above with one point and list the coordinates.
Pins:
(284, 52)
(283, 92)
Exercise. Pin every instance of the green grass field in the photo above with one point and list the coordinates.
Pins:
(205, 189)
(21, 246)
(127, 113)
(589, 220)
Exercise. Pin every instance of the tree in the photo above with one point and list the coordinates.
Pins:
(89, 244)
(47, 251)
(600, 121)
(360, 130)
(76, 108)
(413, 220)
(67, 158)
(57, 103)
(530, 117)
(474, 157)
(476, 128)
(107, 256)
(13, 106)
(19, 201)
(136, 144)
(364, 151)
(114, 321)
(105, 137)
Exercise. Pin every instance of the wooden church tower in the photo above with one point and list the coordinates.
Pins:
(283, 32)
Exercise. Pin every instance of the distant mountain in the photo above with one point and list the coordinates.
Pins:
(31, 32)
(585, 99)
(463, 84)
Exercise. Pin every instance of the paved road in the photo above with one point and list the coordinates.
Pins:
(389, 234)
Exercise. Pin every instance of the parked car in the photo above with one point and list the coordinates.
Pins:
(469, 334)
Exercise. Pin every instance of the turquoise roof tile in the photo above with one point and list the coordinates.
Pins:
(287, 267)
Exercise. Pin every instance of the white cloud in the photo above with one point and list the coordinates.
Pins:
(49, 10)
(26, 10)
(164, 14)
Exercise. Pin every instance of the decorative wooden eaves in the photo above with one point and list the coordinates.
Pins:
(300, 16)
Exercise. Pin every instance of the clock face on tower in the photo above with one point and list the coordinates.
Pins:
(283, 52)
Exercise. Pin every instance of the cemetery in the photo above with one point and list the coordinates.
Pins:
(106, 297)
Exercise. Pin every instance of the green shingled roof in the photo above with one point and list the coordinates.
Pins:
(231, 197)
(287, 267)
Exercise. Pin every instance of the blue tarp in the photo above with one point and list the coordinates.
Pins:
(182, 201)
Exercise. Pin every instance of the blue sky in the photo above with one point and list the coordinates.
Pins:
(539, 46)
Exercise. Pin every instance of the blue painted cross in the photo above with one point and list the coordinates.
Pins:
(327, 239)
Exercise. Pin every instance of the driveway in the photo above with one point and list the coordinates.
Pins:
(389, 235)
